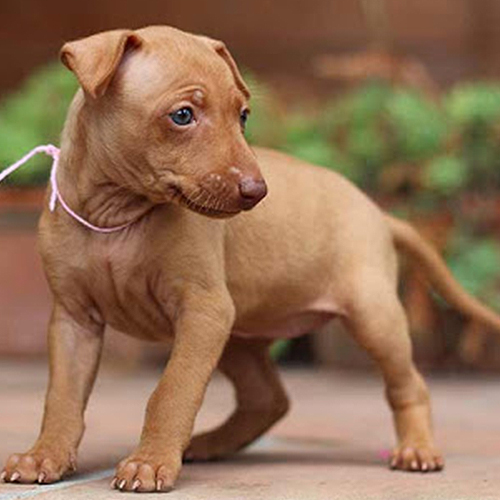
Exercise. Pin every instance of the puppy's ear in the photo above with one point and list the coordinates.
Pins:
(95, 59)
(222, 50)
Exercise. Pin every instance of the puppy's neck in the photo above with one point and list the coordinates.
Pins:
(83, 182)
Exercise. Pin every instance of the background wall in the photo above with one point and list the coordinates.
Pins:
(455, 38)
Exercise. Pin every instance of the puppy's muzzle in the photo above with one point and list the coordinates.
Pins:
(251, 191)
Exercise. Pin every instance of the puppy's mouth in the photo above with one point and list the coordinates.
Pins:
(202, 208)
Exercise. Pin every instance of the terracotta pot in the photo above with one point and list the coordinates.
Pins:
(24, 296)
(21, 199)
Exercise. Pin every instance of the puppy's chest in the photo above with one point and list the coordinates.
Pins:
(128, 290)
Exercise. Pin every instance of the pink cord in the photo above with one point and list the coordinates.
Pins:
(55, 196)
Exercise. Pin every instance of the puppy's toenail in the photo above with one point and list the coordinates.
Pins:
(136, 484)
(15, 477)
(122, 484)
(425, 467)
(113, 482)
(159, 485)
(41, 477)
(414, 465)
(3, 475)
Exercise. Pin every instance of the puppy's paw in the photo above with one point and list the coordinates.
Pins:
(417, 459)
(37, 467)
(146, 472)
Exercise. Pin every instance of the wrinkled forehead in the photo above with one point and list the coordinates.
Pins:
(168, 63)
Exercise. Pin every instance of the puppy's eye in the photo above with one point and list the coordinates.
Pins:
(244, 118)
(183, 116)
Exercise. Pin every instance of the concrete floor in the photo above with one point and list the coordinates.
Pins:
(329, 447)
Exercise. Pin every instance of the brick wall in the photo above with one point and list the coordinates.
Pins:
(456, 38)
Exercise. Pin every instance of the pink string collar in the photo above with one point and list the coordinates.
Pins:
(55, 195)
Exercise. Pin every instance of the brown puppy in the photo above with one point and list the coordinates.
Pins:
(155, 138)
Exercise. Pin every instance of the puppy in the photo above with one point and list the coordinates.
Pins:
(154, 148)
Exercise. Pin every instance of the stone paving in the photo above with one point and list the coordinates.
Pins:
(328, 448)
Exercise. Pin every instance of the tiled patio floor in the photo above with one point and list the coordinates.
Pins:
(328, 447)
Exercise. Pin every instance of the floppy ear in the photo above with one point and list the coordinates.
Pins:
(95, 59)
(222, 50)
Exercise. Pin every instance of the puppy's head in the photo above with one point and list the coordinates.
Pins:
(165, 112)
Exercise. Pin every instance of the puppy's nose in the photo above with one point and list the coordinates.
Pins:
(252, 191)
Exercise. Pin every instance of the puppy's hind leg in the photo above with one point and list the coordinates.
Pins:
(260, 397)
(376, 319)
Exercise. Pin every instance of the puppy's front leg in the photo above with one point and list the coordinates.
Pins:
(74, 353)
(201, 332)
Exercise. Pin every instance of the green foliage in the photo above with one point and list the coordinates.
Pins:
(304, 138)
(314, 150)
(446, 174)
(417, 124)
(474, 104)
(280, 348)
(455, 145)
(265, 126)
(474, 110)
(356, 125)
(359, 107)
(34, 115)
(476, 264)
(360, 133)
(366, 144)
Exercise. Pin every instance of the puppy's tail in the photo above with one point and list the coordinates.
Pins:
(409, 241)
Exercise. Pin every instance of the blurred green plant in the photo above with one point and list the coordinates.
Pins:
(418, 126)
(474, 111)
(34, 115)
(267, 119)
(280, 348)
(474, 104)
(475, 262)
(445, 174)
(453, 145)
(362, 133)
